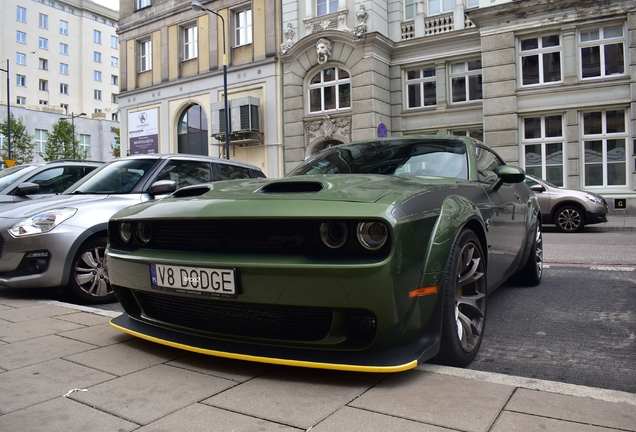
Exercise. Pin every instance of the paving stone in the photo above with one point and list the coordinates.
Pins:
(37, 383)
(33, 311)
(200, 417)
(100, 335)
(292, 396)
(235, 370)
(84, 318)
(32, 351)
(14, 332)
(152, 393)
(516, 422)
(63, 415)
(349, 419)
(446, 401)
(595, 412)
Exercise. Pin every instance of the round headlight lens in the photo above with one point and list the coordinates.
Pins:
(125, 232)
(144, 232)
(333, 234)
(372, 235)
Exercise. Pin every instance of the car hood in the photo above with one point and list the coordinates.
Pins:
(109, 203)
(305, 194)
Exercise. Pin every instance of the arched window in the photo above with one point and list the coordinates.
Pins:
(193, 131)
(330, 90)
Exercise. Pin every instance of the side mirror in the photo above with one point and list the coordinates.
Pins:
(509, 174)
(27, 188)
(162, 187)
(537, 188)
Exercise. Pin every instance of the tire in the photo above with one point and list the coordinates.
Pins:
(532, 272)
(569, 219)
(88, 281)
(464, 305)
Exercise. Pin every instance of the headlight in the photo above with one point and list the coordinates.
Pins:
(372, 235)
(125, 231)
(144, 232)
(594, 198)
(333, 234)
(41, 222)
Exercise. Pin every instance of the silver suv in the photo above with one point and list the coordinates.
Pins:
(570, 210)
(60, 241)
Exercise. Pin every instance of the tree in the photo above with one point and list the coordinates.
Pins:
(115, 147)
(61, 143)
(22, 144)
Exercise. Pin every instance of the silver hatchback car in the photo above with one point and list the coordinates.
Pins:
(59, 242)
(570, 210)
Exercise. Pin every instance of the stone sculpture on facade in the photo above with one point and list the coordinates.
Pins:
(289, 36)
(323, 50)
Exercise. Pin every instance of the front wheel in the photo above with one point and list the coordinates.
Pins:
(569, 219)
(464, 313)
(532, 272)
(88, 282)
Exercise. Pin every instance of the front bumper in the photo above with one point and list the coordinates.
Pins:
(594, 217)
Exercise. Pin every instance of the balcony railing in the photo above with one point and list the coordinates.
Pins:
(433, 26)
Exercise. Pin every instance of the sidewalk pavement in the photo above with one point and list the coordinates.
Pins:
(63, 368)
(614, 223)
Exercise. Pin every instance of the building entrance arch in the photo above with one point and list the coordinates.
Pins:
(192, 132)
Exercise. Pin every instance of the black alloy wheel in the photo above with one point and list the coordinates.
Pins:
(569, 219)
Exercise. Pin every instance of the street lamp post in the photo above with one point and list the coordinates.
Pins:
(73, 116)
(8, 111)
(197, 6)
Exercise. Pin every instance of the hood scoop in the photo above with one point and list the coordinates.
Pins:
(191, 191)
(292, 187)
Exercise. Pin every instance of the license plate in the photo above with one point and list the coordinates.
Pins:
(219, 282)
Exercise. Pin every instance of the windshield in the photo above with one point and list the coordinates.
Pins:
(443, 158)
(9, 176)
(118, 177)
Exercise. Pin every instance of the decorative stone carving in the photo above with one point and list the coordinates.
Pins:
(327, 127)
(289, 36)
(361, 16)
(323, 50)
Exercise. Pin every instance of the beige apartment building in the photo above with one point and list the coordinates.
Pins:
(173, 82)
(62, 59)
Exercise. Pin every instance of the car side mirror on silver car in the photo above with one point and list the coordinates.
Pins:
(162, 187)
(27, 188)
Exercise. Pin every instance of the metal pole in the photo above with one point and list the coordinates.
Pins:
(73, 132)
(8, 110)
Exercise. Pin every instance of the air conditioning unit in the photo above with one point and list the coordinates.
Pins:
(244, 115)
(218, 118)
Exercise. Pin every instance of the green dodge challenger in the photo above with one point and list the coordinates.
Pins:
(369, 256)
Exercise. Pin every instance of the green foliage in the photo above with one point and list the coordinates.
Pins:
(22, 144)
(61, 143)
(116, 146)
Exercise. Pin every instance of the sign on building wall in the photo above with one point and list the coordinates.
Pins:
(143, 131)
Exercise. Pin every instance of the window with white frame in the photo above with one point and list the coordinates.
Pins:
(436, 7)
(85, 144)
(114, 44)
(409, 10)
(190, 41)
(478, 134)
(21, 14)
(97, 37)
(20, 37)
(543, 144)
(43, 43)
(63, 68)
(114, 61)
(20, 58)
(41, 138)
(20, 100)
(44, 102)
(421, 87)
(113, 98)
(43, 64)
(63, 27)
(466, 81)
(114, 117)
(472, 3)
(63, 48)
(97, 57)
(97, 94)
(63, 88)
(145, 55)
(325, 7)
(43, 85)
(97, 75)
(602, 51)
(20, 80)
(114, 80)
(540, 60)
(140, 4)
(64, 107)
(329, 90)
(604, 143)
(44, 21)
(243, 27)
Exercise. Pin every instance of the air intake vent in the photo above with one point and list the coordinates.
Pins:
(191, 191)
(292, 187)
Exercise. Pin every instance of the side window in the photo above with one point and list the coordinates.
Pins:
(186, 173)
(57, 180)
(231, 172)
(487, 164)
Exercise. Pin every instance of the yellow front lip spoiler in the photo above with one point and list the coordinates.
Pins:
(271, 360)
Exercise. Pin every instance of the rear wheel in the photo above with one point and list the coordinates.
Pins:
(89, 282)
(464, 313)
(569, 219)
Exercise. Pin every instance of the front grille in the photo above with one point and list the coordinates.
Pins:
(239, 319)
